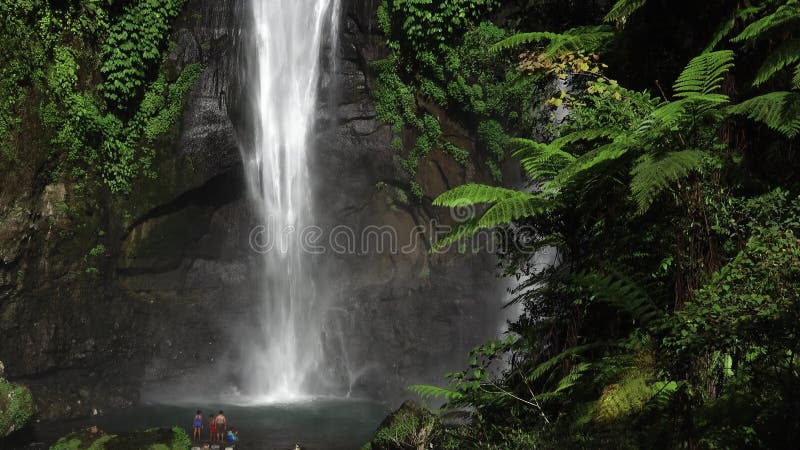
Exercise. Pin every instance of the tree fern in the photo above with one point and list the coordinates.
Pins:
(778, 110)
(623, 9)
(652, 175)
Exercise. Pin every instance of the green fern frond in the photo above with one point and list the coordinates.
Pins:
(473, 194)
(545, 367)
(704, 74)
(623, 9)
(623, 294)
(662, 392)
(784, 14)
(546, 397)
(461, 231)
(796, 77)
(540, 160)
(524, 38)
(651, 175)
(691, 107)
(507, 206)
(587, 39)
(728, 25)
(426, 392)
(581, 39)
(512, 209)
(777, 110)
(544, 160)
(520, 145)
(573, 377)
(501, 213)
(722, 32)
(787, 54)
(608, 152)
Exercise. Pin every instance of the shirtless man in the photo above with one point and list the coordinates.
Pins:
(222, 424)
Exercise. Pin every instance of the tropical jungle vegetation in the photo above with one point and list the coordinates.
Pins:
(666, 180)
(658, 142)
(88, 76)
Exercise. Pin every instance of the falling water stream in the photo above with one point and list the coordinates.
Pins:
(289, 41)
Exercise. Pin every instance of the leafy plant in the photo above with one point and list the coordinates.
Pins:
(134, 43)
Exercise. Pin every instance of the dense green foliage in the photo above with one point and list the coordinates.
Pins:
(89, 73)
(153, 439)
(670, 319)
(455, 70)
(16, 407)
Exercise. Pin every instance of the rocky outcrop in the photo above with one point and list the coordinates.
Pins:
(100, 297)
(410, 427)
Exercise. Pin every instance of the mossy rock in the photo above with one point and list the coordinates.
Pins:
(16, 407)
(153, 439)
(409, 428)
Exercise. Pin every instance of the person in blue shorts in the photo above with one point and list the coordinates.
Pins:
(198, 425)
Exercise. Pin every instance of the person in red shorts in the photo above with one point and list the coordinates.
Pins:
(212, 428)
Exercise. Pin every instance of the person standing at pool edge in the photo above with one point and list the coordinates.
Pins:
(212, 428)
(222, 424)
(198, 425)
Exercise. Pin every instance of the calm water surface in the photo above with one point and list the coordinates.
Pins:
(315, 425)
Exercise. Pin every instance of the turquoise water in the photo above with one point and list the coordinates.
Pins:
(315, 425)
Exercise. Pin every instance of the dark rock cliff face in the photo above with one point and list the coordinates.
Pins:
(175, 266)
(405, 316)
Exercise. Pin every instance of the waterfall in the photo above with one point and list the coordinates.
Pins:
(283, 358)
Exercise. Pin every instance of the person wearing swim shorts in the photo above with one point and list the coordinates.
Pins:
(222, 424)
(198, 425)
(212, 428)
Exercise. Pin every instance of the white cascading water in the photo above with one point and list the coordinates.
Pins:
(289, 38)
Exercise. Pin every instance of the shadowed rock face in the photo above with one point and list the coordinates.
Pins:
(176, 265)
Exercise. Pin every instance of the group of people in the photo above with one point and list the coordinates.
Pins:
(218, 430)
